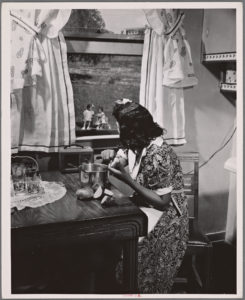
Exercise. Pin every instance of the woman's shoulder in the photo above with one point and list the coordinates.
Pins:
(161, 147)
(159, 144)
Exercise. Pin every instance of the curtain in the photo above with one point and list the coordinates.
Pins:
(42, 106)
(231, 224)
(166, 69)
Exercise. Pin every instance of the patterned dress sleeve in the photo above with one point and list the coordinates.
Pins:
(157, 169)
(177, 175)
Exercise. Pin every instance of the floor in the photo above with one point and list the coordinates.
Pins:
(224, 272)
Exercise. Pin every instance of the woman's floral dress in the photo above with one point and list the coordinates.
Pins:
(160, 253)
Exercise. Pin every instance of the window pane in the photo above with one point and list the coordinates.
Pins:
(102, 79)
(119, 20)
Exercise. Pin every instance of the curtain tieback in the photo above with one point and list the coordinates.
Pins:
(176, 25)
(31, 28)
(34, 31)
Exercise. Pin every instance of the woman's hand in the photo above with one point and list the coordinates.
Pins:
(119, 172)
(107, 155)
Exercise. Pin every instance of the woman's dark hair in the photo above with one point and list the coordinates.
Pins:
(136, 124)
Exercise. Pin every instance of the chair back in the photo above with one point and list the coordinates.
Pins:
(190, 167)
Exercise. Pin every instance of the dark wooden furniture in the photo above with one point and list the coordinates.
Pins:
(71, 157)
(82, 226)
(198, 244)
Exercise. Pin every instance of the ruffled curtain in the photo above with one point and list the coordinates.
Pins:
(166, 69)
(42, 105)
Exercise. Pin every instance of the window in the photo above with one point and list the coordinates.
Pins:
(100, 79)
(103, 66)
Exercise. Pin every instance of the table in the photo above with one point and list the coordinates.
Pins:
(69, 221)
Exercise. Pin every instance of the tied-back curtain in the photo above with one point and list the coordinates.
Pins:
(166, 69)
(42, 105)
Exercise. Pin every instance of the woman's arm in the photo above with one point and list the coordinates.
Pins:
(149, 196)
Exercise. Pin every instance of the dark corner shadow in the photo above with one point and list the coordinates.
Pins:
(213, 211)
(230, 96)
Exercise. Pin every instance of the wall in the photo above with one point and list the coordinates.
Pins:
(209, 118)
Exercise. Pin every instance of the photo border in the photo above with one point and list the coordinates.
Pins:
(5, 137)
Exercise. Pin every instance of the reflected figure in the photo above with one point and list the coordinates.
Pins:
(87, 116)
(102, 120)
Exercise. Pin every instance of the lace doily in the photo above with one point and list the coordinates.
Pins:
(53, 191)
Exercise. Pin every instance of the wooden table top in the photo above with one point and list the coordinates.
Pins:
(71, 217)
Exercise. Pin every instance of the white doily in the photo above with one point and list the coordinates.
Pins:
(53, 191)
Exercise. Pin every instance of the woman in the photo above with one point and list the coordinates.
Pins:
(156, 177)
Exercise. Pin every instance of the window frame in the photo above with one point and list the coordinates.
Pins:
(103, 43)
